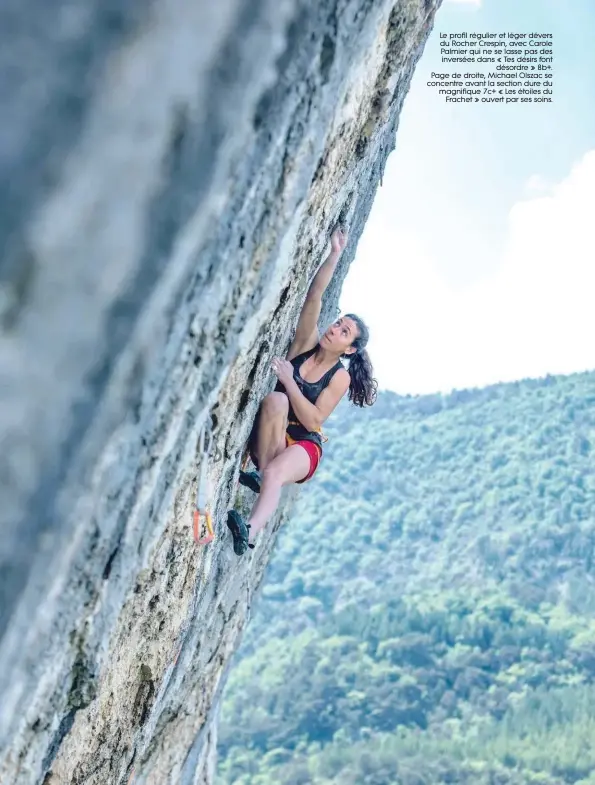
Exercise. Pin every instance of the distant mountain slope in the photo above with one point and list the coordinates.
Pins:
(429, 615)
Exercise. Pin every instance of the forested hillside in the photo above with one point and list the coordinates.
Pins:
(429, 614)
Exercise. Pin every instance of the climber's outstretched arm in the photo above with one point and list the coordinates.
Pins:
(306, 333)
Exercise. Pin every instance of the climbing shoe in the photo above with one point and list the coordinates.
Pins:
(239, 531)
(251, 480)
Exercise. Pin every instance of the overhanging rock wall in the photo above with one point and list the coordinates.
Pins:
(169, 176)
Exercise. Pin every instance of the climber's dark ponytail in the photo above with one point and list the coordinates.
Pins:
(363, 387)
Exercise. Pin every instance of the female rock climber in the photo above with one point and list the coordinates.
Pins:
(286, 439)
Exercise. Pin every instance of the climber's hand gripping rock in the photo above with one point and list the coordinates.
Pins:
(283, 369)
(338, 241)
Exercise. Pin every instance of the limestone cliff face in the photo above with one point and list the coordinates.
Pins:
(170, 174)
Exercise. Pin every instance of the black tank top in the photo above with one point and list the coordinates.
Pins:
(311, 391)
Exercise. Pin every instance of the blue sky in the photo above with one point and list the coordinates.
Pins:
(484, 226)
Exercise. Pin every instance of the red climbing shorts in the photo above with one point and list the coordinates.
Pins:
(313, 450)
(314, 453)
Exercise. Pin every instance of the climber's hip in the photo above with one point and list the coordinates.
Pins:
(314, 453)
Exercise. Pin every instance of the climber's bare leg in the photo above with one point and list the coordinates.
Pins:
(292, 465)
(269, 441)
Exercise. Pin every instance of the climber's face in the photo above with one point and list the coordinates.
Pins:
(340, 335)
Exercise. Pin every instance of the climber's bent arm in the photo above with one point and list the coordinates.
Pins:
(312, 415)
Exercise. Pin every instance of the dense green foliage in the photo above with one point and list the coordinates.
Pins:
(429, 614)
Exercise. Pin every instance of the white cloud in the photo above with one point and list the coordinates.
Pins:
(475, 3)
(534, 315)
(537, 184)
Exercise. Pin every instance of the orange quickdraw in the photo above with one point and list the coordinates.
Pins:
(209, 526)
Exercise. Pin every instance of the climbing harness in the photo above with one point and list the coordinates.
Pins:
(316, 430)
(202, 495)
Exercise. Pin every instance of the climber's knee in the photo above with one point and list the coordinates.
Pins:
(272, 475)
(275, 404)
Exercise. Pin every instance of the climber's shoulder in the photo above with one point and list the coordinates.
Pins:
(339, 384)
(299, 345)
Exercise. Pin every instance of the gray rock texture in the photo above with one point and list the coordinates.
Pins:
(169, 175)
